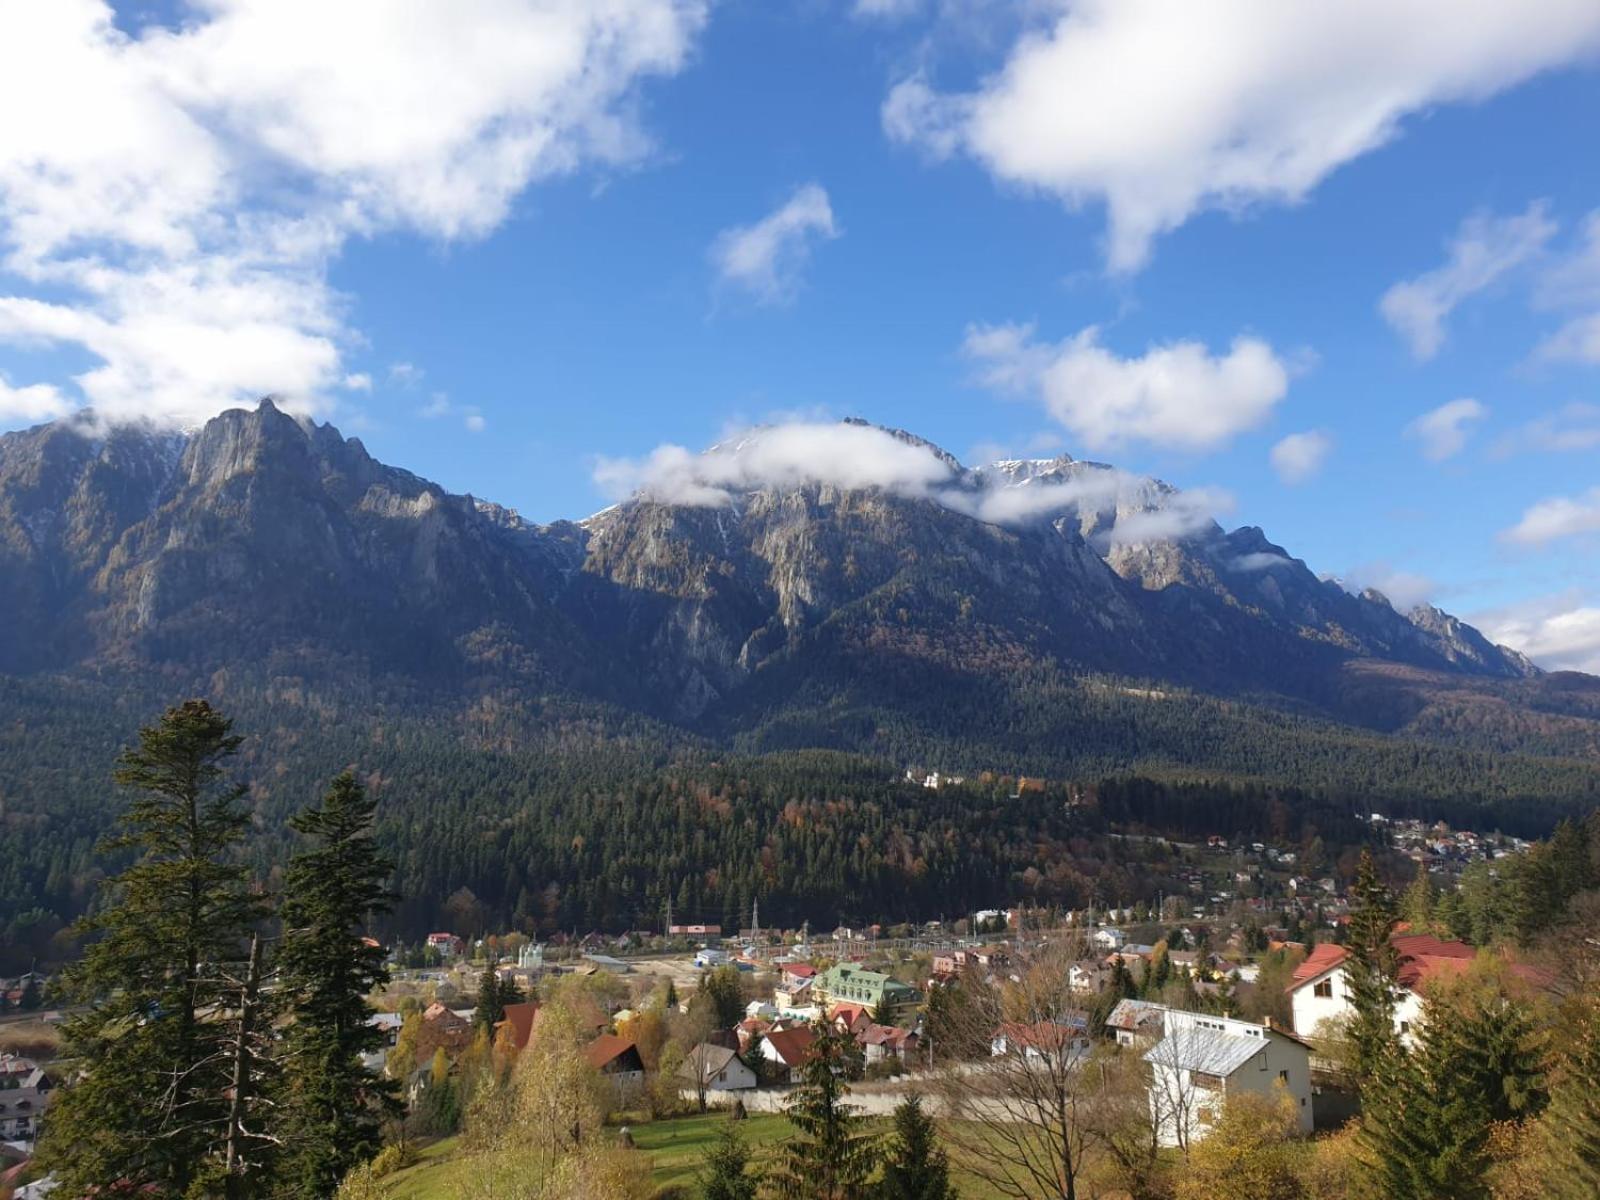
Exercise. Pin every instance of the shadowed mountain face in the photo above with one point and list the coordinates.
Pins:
(280, 552)
(274, 548)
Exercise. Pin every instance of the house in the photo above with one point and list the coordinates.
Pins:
(717, 1069)
(850, 1018)
(1109, 937)
(25, 1089)
(604, 962)
(789, 1048)
(1043, 1043)
(1136, 1022)
(447, 944)
(1201, 1060)
(694, 931)
(1319, 991)
(792, 993)
(519, 1020)
(705, 959)
(881, 1042)
(872, 989)
(442, 1029)
(1187, 961)
(617, 1058)
(796, 971)
(1087, 977)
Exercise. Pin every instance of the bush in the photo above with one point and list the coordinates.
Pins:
(394, 1157)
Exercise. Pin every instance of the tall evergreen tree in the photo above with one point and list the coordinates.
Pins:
(155, 1044)
(332, 1104)
(1571, 1126)
(1416, 905)
(916, 1167)
(727, 1174)
(491, 1008)
(831, 1156)
(1370, 971)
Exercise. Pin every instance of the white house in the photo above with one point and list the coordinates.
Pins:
(707, 958)
(1044, 1043)
(1110, 937)
(1202, 1060)
(718, 1069)
(1319, 991)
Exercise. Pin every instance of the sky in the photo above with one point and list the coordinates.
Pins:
(1334, 270)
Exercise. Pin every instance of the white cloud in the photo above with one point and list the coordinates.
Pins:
(768, 258)
(889, 10)
(475, 423)
(1483, 250)
(32, 404)
(405, 375)
(1403, 589)
(1576, 341)
(1572, 427)
(1163, 110)
(358, 381)
(1300, 456)
(1559, 632)
(1443, 431)
(851, 455)
(1176, 395)
(1556, 518)
(438, 405)
(175, 196)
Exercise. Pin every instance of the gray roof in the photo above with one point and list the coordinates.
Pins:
(1130, 1014)
(1205, 1050)
(706, 1060)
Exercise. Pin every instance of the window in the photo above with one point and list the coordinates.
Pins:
(1210, 1083)
(1283, 1077)
(1323, 989)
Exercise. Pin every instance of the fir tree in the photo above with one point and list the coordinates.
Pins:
(1571, 1126)
(1370, 971)
(916, 1167)
(152, 1105)
(332, 1104)
(491, 1009)
(727, 1173)
(1416, 905)
(830, 1156)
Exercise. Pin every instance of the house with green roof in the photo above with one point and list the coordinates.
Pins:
(847, 983)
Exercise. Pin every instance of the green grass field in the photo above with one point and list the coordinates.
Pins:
(676, 1147)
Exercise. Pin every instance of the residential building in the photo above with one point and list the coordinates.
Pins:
(447, 944)
(617, 1058)
(871, 989)
(25, 1089)
(1319, 991)
(880, 1042)
(1136, 1022)
(789, 1049)
(1109, 937)
(1051, 1043)
(1201, 1061)
(717, 1068)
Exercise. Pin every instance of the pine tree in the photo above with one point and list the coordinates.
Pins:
(1571, 1126)
(332, 1104)
(491, 1009)
(1370, 971)
(830, 1156)
(916, 1167)
(1416, 905)
(727, 1173)
(152, 1105)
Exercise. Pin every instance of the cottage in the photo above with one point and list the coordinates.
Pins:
(1202, 1060)
(447, 944)
(1043, 1043)
(1319, 991)
(792, 992)
(789, 1049)
(882, 1042)
(617, 1058)
(25, 1089)
(716, 1069)
(1109, 937)
(1136, 1022)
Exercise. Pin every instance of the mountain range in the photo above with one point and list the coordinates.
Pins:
(864, 596)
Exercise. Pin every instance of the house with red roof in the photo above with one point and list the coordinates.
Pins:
(1319, 990)
(617, 1058)
(789, 1048)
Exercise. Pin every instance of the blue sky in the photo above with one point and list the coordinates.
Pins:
(510, 243)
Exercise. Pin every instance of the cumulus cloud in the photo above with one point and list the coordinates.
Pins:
(767, 258)
(1300, 456)
(1403, 589)
(1177, 395)
(1484, 250)
(1161, 111)
(850, 455)
(1560, 632)
(1557, 518)
(358, 381)
(1443, 431)
(1572, 427)
(173, 201)
(32, 404)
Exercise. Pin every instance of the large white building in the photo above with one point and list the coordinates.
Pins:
(1201, 1061)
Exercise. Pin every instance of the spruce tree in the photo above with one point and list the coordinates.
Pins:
(1571, 1126)
(159, 978)
(916, 1167)
(830, 1156)
(727, 1173)
(491, 1009)
(1416, 905)
(1370, 971)
(332, 1104)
